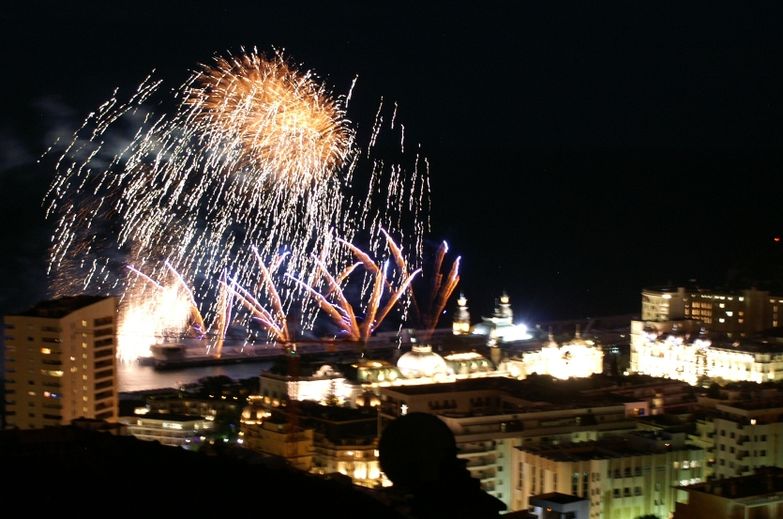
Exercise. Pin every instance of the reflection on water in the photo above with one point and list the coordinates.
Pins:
(134, 377)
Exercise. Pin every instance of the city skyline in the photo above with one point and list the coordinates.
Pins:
(576, 156)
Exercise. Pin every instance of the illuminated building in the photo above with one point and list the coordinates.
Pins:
(757, 496)
(747, 435)
(282, 439)
(576, 358)
(357, 461)
(492, 416)
(344, 440)
(168, 429)
(324, 384)
(422, 362)
(745, 311)
(694, 358)
(358, 384)
(468, 364)
(461, 324)
(623, 477)
(500, 327)
(60, 362)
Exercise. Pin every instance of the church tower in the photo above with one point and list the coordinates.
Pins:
(503, 313)
(461, 325)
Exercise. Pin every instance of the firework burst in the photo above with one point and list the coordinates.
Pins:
(254, 152)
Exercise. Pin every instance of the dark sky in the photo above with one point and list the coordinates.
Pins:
(578, 153)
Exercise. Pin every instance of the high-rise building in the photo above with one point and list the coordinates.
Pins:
(60, 362)
(744, 311)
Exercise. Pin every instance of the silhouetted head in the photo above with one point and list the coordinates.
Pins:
(417, 450)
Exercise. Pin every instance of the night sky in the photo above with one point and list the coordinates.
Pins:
(577, 154)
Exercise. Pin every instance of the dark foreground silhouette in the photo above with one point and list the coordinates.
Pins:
(418, 453)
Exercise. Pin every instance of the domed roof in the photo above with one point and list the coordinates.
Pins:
(421, 361)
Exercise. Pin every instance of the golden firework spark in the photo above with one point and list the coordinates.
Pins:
(289, 128)
(257, 153)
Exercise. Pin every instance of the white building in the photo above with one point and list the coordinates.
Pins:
(623, 477)
(575, 358)
(500, 326)
(168, 429)
(694, 358)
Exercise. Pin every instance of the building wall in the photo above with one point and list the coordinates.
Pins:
(359, 462)
(57, 370)
(740, 447)
(689, 360)
(617, 488)
(701, 505)
(175, 433)
(296, 446)
(487, 438)
(663, 305)
(741, 312)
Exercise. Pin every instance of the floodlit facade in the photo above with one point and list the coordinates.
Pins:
(500, 327)
(694, 358)
(284, 440)
(419, 366)
(573, 359)
(60, 362)
(358, 461)
(167, 429)
(623, 477)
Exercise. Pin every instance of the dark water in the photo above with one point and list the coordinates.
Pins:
(134, 377)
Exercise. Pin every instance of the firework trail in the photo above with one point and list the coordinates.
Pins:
(342, 312)
(249, 150)
(275, 322)
(440, 292)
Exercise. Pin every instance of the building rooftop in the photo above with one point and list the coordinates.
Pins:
(756, 345)
(539, 390)
(557, 497)
(60, 307)
(765, 481)
(610, 447)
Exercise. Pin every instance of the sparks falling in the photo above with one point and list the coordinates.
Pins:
(248, 151)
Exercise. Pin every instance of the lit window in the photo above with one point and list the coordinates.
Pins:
(46, 351)
(722, 305)
(729, 313)
(84, 324)
(721, 320)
